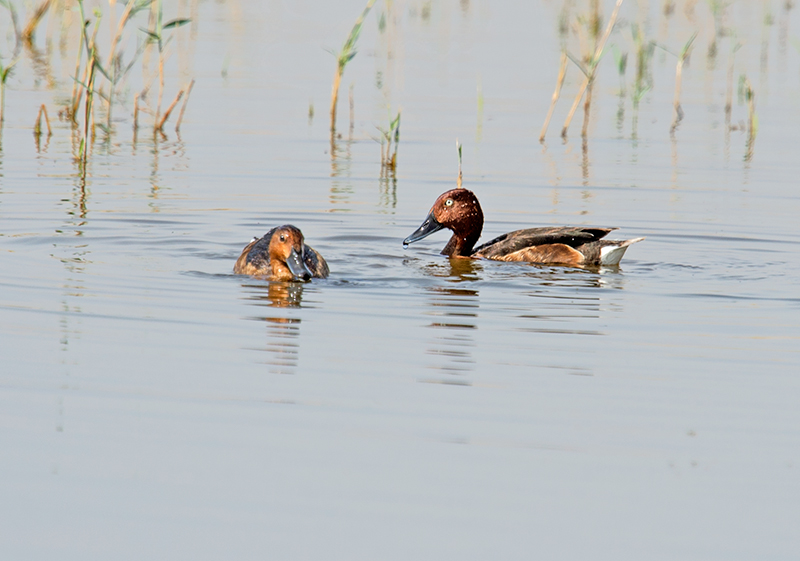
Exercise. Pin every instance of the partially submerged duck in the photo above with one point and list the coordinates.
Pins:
(459, 210)
(281, 255)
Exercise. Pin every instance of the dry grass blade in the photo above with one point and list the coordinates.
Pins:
(598, 51)
(344, 56)
(168, 112)
(37, 128)
(752, 118)
(33, 22)
(678, 116)
(562, 72)
(183, 107)
(458, 181)
(135, 112)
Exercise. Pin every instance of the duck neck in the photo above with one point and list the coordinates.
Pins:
(465, 236)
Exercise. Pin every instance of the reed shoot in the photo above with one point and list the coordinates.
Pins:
(183, 107)
(458, 181)
(5, 72)
(37, 128)
(562, 71)
(33, 22)
(345, 55)
(156, 35)
(390, 135)
(592, 68)
(678, 116)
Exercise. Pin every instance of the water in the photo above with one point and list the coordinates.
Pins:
(153, 405)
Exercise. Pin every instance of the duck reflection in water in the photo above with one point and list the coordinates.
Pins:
(281, 255)
(283, 333)
(455, 317)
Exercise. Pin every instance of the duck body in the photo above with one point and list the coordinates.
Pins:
(281, 255)
(459, 210)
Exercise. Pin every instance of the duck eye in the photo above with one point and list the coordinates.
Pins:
(283, 237)
(448, 202)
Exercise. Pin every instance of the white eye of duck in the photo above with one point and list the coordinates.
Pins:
(448, 202)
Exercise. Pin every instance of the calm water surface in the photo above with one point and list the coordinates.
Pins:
(154, 405)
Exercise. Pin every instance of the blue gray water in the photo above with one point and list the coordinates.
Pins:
(154, 405)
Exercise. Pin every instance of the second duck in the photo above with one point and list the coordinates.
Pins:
(459, 210)
(281, 255)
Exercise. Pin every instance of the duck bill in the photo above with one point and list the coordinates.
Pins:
(298, 267)
(428, 227)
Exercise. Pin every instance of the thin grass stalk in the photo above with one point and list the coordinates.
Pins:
(120, 28)
(2, 103)
(595, 60)
(752, 119)
(33, 22)
(84, 149)
(345, 55)
(76, 92)
(729, 88)
(678, 116)
(458, 180)
(393, 162)
(91, 53)
(587, 105)
(37, 129)
(337, 78)
(160, 126)
(15, 25)
(112, 50)
(562, 71)
(183, 107)
(4, 74)
(678, 113)
(352, 111)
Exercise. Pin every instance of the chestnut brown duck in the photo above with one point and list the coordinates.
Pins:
(281, 255)
(459, 210)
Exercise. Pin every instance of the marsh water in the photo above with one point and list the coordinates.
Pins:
(154, 405)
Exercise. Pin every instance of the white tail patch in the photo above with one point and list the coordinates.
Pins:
(611, 254)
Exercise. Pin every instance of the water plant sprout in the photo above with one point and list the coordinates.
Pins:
(392, 134)
(345, 55)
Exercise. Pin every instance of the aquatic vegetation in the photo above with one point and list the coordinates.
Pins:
(345, 55)
(156, 36)
(33, 21)
(458, 149)
(388, 136)
(588, 67)
(37, 128)
(5, 72)
(678, 116)
(643, 79)
(592, 68)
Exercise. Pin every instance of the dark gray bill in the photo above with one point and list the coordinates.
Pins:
(298, 267)
(428, 227)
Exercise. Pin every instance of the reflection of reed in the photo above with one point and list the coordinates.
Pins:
(282, 347)
(341, 185)
(388, 195)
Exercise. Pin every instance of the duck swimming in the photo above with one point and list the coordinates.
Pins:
(459, 210)
(281, 255)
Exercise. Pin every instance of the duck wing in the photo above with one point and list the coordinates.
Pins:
(531, 237)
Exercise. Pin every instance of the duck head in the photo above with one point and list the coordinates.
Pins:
(286, 255)
(457, 210)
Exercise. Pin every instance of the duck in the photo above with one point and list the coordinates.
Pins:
(458, 210)
(281, 255)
